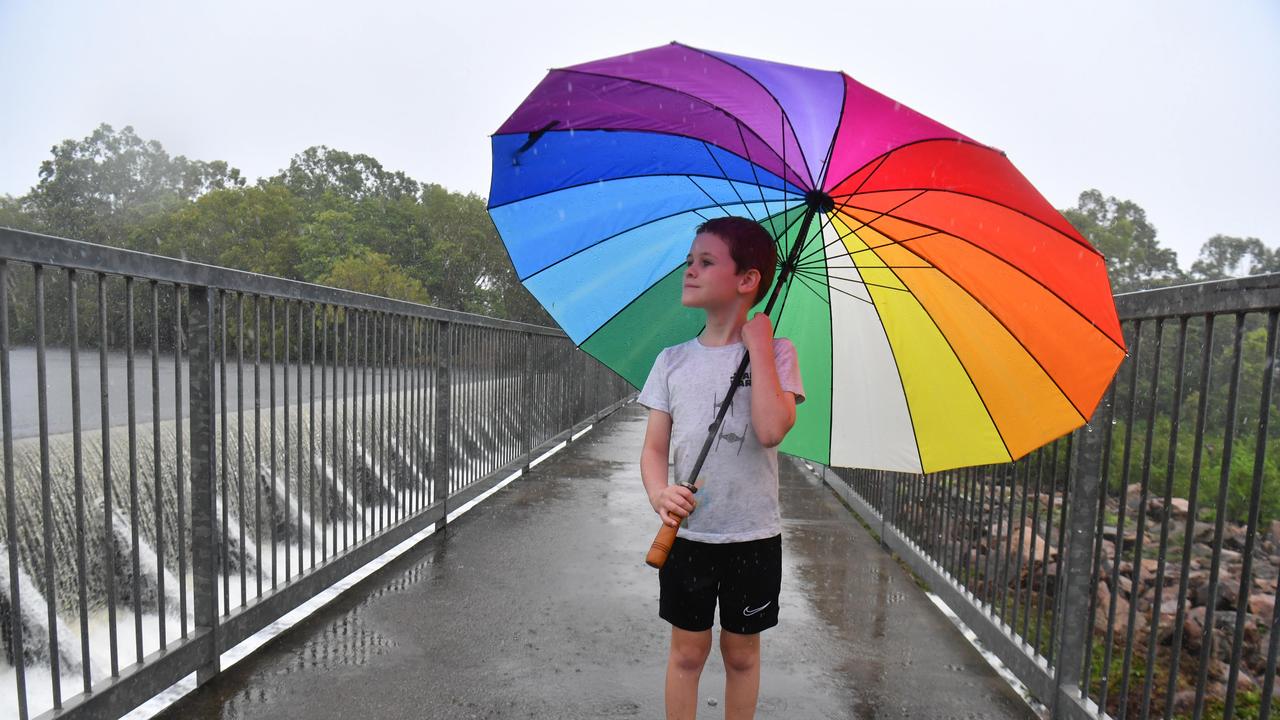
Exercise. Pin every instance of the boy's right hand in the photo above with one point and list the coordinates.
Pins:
(673, 504)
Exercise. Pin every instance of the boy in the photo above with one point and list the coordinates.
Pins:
(730, 550)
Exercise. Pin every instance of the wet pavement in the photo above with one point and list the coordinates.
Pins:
(537, 604)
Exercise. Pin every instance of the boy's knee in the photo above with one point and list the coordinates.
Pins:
(741, 653)
(689, 651)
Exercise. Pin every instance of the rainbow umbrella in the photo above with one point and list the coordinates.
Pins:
(945, 314)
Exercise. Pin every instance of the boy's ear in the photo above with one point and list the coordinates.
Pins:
(749, 281)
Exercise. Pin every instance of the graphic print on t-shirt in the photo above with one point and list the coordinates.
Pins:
(730, 436)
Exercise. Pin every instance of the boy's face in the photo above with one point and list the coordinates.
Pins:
(711, 279)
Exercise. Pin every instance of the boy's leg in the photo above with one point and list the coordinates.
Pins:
(749, 590)
(689, 652)
(741, 655)
(687, 601)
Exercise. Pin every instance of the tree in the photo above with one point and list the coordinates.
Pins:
(1120, 231)
(320, 170)
(95, 188)
(1225, 256)
(373, 273)
(258, 229)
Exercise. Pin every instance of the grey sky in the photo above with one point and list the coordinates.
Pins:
(1175, 105)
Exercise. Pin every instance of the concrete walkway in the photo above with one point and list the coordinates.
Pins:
(537, 604)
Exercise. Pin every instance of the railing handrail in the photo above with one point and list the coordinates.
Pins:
(39, 249)
(1255, 293)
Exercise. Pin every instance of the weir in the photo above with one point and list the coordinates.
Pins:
(214, 448)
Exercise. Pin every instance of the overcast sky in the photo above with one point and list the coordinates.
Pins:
(1174, 105)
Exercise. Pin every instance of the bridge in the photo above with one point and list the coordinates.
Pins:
(195, 457)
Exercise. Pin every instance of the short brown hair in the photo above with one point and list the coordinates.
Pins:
(750, 246)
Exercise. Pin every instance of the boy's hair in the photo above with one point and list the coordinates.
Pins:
(750, 246)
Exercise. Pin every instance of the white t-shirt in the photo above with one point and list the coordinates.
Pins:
(738, 497)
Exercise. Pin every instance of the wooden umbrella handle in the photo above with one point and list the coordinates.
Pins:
(661, 547)
(663, 541)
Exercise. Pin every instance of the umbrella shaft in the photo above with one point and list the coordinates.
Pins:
(746, 357)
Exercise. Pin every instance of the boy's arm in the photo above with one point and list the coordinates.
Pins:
(671, 502)
(773, 410)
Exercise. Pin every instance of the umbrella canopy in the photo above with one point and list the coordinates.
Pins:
(945, 314)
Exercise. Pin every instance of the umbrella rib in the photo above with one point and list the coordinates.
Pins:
(1007, 329)
(1021, 271)
(822, 262)
(885, 155)
(603, 181)
(819, 182)
(695, 98)
(961, 362)
(712, 199)
(806, 281)
(611, 237)
(631, 302)
(830, 217)
(983, 199)
(786, 118)
(768, 215)
(829, 276)
(815, 292)
(733, 187)
(862, 224)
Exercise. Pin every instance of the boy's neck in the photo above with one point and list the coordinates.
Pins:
(724, 325)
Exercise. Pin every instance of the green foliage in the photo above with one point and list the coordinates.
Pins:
(96, 188)
(330, 217)
(319, 171)
(1224, 256)
(1160, 403)
(1119, 229)
(371, 272)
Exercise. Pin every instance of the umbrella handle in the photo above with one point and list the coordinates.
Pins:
(661, 547)
(663, 541)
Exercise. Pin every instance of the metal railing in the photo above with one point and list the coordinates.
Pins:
(1130, 568)
(190, 452)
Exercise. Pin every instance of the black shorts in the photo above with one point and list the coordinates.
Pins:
(744, 576)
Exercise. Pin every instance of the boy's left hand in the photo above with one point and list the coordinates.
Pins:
(757, 333)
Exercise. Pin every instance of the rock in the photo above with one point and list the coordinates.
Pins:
(1193, 629)
(1165, 628)
(1133, 495)
(1234, 536)
(1273, 532)
(1033, 545)
(1246, 683)
(1180, 507)
(1167, 598)
(1264, 605)
(1230, 557)
(1108, 549)
(1203, 532)
(1225, 593)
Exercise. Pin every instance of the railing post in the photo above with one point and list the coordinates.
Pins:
(442, 450)
(888, 509)
(526, 407)
(1085, 479)
(204, 551)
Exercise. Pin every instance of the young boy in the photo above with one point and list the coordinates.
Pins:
(730, 549)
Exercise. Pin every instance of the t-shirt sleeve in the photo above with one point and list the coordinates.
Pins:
(655, 394)
(788, 364)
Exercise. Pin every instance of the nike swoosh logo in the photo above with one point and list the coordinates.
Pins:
(749, 612)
